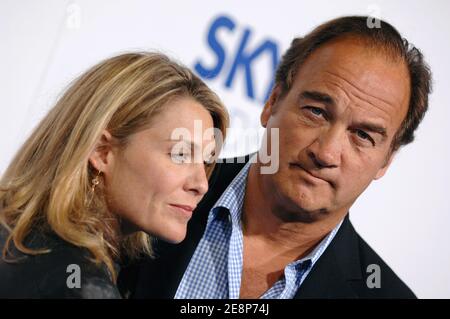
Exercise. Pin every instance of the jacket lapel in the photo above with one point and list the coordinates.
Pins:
(337, 269)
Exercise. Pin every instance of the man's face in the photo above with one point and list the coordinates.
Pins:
(336, 125)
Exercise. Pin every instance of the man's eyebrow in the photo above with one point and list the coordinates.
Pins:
(327, 99)
(318, 97)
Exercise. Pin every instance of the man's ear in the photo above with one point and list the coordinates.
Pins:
(269, 109)
(385, 167)
(101, 157)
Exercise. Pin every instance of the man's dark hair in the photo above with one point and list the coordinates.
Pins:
(383, 37)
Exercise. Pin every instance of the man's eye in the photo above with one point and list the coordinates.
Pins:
(316, 111)
(364, 136)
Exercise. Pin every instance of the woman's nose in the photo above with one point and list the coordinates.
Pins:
(198, 182)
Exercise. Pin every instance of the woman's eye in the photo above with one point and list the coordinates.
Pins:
(179, 157)
(208, 163)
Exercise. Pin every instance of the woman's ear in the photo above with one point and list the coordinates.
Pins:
(102, 156)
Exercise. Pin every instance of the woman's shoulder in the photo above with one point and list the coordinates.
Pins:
(65, 272)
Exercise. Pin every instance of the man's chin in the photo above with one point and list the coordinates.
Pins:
(303, 214)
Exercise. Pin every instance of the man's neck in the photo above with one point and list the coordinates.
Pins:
(270, 242)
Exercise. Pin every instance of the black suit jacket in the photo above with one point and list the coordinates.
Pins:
(341, 271)
(46, 275)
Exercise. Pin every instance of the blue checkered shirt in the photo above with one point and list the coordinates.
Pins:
(215, 269)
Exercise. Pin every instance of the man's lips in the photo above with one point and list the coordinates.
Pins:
(315, 175)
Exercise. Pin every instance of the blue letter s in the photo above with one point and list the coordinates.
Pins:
(210, 73)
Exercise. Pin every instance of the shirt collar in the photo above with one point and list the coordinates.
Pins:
(233, 200)
(233, 197)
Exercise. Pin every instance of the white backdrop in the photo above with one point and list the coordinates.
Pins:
(405, 216)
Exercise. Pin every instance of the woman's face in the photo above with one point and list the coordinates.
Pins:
(153, 186)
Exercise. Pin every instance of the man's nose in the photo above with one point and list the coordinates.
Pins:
(326, 150)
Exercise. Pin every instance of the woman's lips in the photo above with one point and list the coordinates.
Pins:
(185, 210)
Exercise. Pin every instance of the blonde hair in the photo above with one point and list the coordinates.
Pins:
(47, 185)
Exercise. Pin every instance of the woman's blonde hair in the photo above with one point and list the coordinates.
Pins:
(47, 186)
